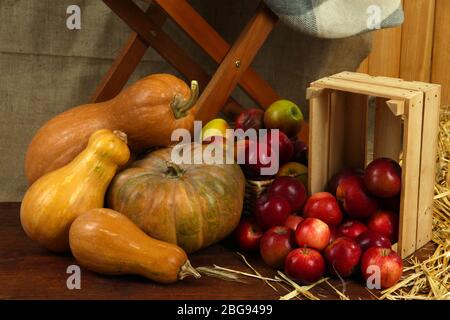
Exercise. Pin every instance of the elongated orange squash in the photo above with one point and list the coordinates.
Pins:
(147, 111)
(105, 241)
(52, 203)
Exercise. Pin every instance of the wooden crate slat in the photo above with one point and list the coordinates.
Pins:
(388, 132)
(364, 88)
(430, 129)
(337, 132)
(356, 109)
(386, 81)
(319, 108)
(412, 139)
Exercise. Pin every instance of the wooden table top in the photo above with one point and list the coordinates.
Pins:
(30, 272)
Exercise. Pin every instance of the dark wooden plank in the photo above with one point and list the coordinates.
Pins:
(215, 46)
(30, 272)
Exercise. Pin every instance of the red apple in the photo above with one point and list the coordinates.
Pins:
(371, 239)
(285, 146)
(248, 235)
(336, 179)
(275, 245)
(355, 198)
(305, 265)
(291, 189)
(284, 115)
(334, 234)
(252, 118)
(257, 156)
(293, 221)
(312, 233)
(383, 177)
(389, 264)
(271, 210)
(323, 206)
(352, 229)
(385, 223)
(300, 152)
(391, 203)
(343, 256)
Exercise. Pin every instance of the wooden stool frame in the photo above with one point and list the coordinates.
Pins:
(234, 61)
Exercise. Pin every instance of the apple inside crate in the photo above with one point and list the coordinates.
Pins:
(404, 126)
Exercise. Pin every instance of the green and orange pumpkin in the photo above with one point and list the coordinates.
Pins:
(191, 205)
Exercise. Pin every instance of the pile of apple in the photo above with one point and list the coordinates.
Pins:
(285, 116)
(351, 227)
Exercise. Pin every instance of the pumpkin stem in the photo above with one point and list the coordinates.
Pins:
(188, 270)
(180, 107)
(174, 170)
(121, 135)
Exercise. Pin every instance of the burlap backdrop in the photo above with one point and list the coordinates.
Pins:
(46, 68)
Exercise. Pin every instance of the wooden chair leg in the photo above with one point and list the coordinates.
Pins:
(127, 61)
(214, 45)
(235, 63)
(121, 70)
(148, 32)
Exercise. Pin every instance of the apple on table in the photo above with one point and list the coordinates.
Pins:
(275, 245)
(305, 265)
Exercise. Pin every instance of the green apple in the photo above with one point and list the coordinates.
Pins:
(284, 115)
(296, 170)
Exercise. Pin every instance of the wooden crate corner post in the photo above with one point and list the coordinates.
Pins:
(405, 128)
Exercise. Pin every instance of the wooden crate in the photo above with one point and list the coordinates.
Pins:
(405, 125)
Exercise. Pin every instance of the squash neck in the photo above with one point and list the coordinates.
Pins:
(180, 107)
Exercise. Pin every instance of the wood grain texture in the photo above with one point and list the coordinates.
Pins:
(355, 149)
(417, 40)
(384, 60)
(441, 49)
(214, 45)
(364, 66)
(387, 133)
(235, 63)
(29, 272)
(363, 88)
(319, 108)
(412, 139)
(430, 128)
(337, 133)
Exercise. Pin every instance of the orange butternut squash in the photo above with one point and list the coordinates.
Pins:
(147, 111)
(106, 241)
(52, 203)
